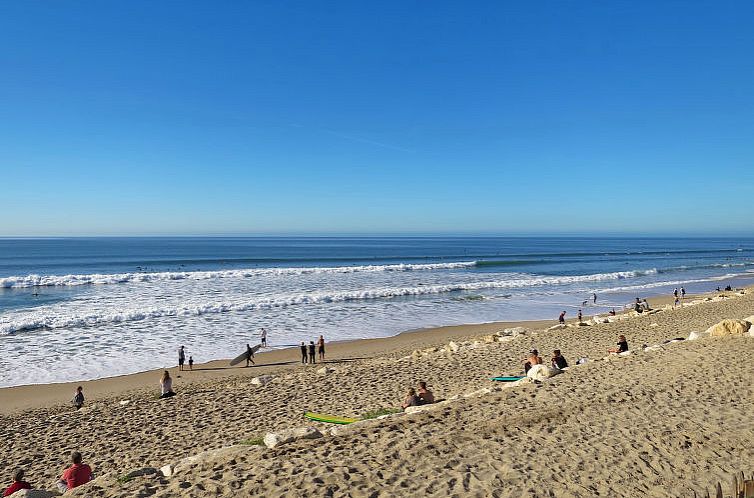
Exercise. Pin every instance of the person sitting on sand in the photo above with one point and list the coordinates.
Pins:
(411, 399)
(78, 398)
(531, 360)
(75, 475)
(622, 345)
(425, 395)
(558, 361)
(18, 483)
(166, 385)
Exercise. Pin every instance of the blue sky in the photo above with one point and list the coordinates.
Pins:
(376, 117)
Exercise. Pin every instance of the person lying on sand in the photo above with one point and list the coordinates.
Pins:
(425, 395)
(18, 483)
(622, 345)
(558, 361)
(75, 475)
(411, 399)
(532, 359)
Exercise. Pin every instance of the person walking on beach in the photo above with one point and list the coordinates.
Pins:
(75, 475)
(263, 337)
(249, 355)
(683, 292)
(18, 483)
(78, 398)
(181, 357)
(580, 316)
(594, 297)
(675, 292)
(304, 358)
(561, 318)
(321, 348)
(312, 353)
(166, 385)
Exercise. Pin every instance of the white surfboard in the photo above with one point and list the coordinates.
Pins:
(242, 357)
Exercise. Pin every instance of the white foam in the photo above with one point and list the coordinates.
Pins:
(122, 278)
(46, 318)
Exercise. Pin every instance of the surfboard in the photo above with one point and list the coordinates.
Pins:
(242, 357)
(507, 379)
(330, 419)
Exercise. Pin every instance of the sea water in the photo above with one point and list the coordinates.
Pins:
(84, 308)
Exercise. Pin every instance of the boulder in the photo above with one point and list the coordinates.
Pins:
(262, 380)
(729, 328)
(453, 347)
(34, 493)
(750, 319)
(505, 339)
(478, 393)
(187, 463)
(325, 370)
(515, 331)
(542, 372)
(559, 326)
(421, 408)
(489, 339)
(167, 470)
(146, 471)
(694, 335)
(273, 439)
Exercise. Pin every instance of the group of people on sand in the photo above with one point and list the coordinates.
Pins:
(420, 396)
(641, 305)
(557, 360)
(309, 353)
(74, 476)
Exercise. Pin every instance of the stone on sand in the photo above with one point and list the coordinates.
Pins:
(273, 439)
(262, 380)
(542, 372)
(34, 493)
(694, 335)
(729, 327)
(325, 370)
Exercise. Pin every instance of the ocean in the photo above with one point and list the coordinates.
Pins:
(85, 308)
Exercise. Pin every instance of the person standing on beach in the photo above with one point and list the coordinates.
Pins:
(321, 348)
(78, 398)
(304, 358)
(263, 337)
(249, 355)
(191, 362)
(580, 316)
(561, 318)
(181, 357)
(312, 353)
(594, 297)
(675, 292)
(683, 292)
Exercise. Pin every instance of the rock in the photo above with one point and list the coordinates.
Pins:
(694, 335)
(325, 370)
(542, 372)
(656, 347)
(750, 319)
(583, 324)
(559, 326)
(505, 339)
(208, 456)
(34, 493)
(453, 347)
(273, 439)
(515, 331)
(625, 353)
(262, 380)
(146, 471)
(489, 339)
(167, 470)
(125, 402)
(421, 408)
(478, 393)
(729, 328)
(653, 325)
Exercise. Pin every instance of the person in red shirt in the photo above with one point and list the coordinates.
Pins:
(75, 475)
(18, 483)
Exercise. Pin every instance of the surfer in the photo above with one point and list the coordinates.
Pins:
(249, 355)
(263, 337)
(181, 357)
(321, 348)
(312, 353)
(303, 353)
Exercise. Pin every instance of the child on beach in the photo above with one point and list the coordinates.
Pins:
(78, 398)
(191, 362)
(558, 361)
(622, 345)
(411, 399)
(18, 483)
(75, 475)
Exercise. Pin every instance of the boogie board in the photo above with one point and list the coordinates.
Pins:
(507, 379)
(330, 419)
(242, 357)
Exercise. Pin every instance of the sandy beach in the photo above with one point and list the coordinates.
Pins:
(655, 423)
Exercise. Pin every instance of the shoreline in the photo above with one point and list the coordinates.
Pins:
(15, 399)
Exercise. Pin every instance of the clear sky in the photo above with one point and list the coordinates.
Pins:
(184, 117)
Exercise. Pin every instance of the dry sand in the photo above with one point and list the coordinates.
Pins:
(652, 424)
